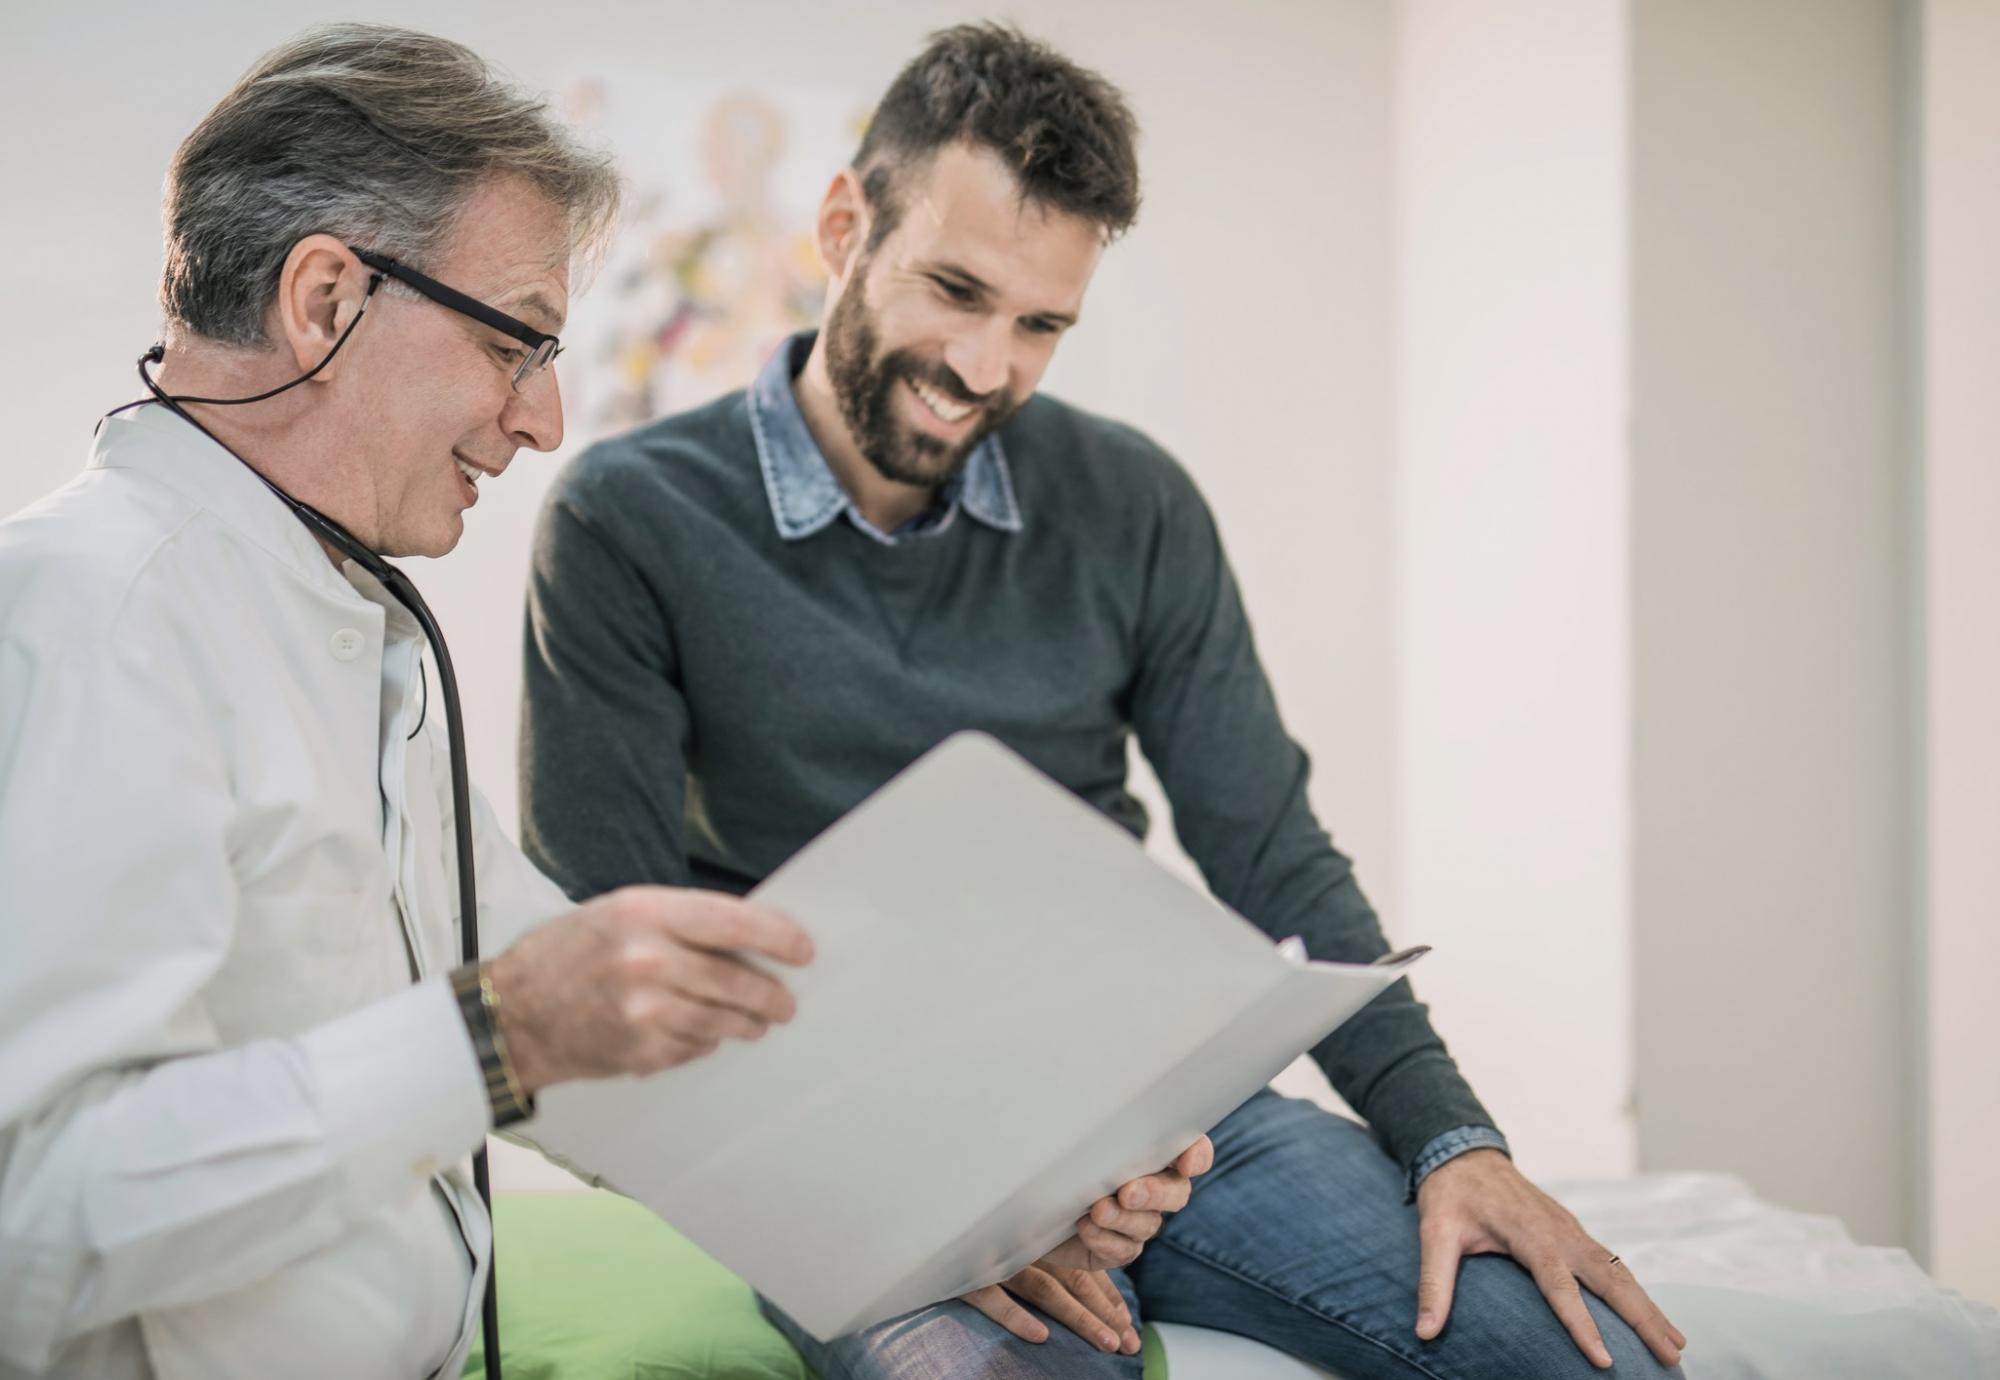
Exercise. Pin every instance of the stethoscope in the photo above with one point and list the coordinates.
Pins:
(399, 585)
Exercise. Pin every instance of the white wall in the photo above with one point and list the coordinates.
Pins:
(1244, 322)
(1773, 804)
(1960, 57)
(1511, 558)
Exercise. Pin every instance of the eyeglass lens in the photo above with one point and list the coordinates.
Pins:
(537, 360)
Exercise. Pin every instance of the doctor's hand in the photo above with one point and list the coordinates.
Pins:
(1479, 1204)
(640, 979)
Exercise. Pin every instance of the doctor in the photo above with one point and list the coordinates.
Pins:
(239, 1076)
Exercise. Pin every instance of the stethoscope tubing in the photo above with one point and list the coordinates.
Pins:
(399, 585)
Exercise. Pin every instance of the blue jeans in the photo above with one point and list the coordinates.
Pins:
(1298, 1237)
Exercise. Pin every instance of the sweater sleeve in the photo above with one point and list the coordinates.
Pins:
(1207, 721)
(604, 723)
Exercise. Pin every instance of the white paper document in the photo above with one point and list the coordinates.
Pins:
(1013, 1011)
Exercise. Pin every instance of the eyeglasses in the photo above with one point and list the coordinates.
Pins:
(542, 347)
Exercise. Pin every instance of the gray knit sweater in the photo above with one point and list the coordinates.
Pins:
(705, 694)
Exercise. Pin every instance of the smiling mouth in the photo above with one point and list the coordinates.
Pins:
(945, 409)
(469, 475)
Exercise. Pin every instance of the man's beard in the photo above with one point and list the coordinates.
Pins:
(865, 387)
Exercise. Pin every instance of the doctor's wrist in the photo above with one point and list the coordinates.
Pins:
(479, 1005)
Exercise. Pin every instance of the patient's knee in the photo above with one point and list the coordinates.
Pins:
(1504, 1329)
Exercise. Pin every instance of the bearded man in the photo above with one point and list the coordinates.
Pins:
(745, 619)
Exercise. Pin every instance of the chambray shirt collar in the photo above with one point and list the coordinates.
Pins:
(806, 497)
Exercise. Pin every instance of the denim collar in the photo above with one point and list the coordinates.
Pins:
(806, 497)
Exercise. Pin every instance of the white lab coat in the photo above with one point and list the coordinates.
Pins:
(236, 1096)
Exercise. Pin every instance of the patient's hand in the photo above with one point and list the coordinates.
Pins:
(1084, 1301)
(1111, 1234)
(1479, 1204)
(1069, 1283)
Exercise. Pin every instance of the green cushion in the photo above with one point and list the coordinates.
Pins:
(595, 1287)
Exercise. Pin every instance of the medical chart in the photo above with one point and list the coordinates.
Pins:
(1013, 1010)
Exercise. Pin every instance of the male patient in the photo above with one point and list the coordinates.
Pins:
(745, 619)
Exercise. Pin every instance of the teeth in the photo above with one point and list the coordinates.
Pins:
(937, 402)
(471, 474)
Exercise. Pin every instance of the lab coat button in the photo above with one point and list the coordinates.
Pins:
(347, 644)
(426, 1166)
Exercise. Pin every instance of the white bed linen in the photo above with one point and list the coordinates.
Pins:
(1762, 1293)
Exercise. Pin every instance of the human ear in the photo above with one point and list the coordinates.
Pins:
(842, 226)
(322, 287)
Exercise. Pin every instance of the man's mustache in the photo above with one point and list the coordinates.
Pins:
(944, 380)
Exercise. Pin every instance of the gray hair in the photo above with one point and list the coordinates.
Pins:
(371, 134)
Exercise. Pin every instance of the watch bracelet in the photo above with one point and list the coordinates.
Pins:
(472, 984)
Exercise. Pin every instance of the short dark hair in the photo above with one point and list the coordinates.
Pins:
(1064, 130)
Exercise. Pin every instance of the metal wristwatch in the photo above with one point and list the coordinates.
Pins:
(472, 984)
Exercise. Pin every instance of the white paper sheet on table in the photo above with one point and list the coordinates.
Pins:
(1013, 1011)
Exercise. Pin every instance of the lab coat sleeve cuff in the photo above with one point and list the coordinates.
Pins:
(398, 1088)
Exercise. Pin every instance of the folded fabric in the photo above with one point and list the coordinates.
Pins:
(1764, 1293)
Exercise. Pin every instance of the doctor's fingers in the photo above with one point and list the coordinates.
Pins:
(722, 924)
(716, 979)
(649, 1051)
(666, 1052)
(655, 1013)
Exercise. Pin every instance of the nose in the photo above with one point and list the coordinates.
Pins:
(980, 356)
(533, 416)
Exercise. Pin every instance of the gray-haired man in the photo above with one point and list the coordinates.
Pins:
(237, 1086)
